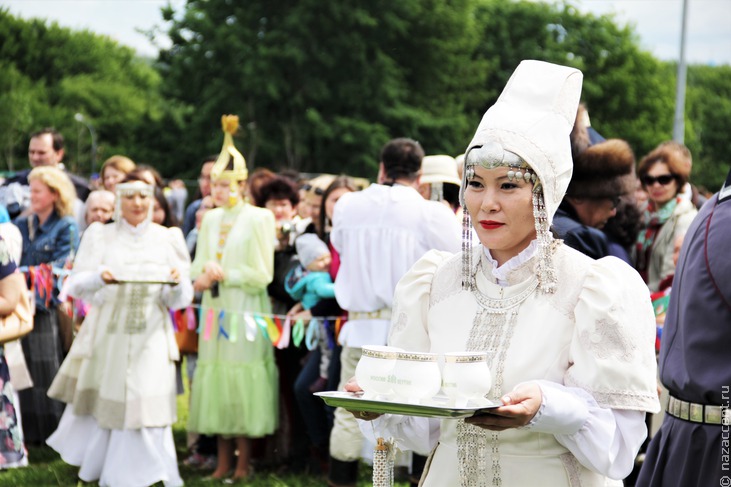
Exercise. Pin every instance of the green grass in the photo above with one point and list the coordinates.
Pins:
(47, 469)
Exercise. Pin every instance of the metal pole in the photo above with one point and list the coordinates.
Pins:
(81, 119)
(679, 121)
(93, 150)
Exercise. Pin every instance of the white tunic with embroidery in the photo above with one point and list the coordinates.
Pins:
(589, 346)
(121, 367)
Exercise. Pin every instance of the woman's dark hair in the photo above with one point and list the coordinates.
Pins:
(451, 195)
(323, 221)
(258, 178)
(170, 220)
(133, 176)
(279, 188)
(624, 227)
(143, 168)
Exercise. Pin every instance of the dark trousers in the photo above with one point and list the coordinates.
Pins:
(318, 417)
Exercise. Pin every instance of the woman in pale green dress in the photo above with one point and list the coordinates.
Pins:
(234, 392)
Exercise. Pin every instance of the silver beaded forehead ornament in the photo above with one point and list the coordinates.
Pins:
(130, 189)
(492, 156)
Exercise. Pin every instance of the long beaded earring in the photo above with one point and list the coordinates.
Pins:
(467, 283)
(546, 272)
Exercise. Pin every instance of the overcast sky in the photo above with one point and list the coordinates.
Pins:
(657, 22)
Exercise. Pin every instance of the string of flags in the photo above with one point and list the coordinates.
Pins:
(280, 330)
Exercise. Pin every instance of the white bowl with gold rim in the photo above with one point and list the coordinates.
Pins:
(374, 370)
(416, 376)
(466, 377)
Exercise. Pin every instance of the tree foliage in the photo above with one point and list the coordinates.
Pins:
(626, 90)
(50, 73)
(320, 86)
(708, 115)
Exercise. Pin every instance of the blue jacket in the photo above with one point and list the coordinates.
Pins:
(309, 287)
(52, 243)
(587, 240)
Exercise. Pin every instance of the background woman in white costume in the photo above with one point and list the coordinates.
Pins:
(569, 339)
(118, 379)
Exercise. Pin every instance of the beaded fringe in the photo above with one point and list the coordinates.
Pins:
(545, 270)
(383, 461)
(467, 284)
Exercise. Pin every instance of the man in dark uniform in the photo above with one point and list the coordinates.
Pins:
(692, 446)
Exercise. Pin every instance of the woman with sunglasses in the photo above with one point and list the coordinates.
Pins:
(667, 214)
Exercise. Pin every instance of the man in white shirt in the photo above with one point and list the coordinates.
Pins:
(380, 233)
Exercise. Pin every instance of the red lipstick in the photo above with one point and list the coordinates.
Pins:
(490, 224)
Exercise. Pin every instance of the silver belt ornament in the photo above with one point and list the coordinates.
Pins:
(698, 413)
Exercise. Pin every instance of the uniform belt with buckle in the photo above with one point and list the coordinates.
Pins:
(698, 413)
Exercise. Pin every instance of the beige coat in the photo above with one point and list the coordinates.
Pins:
(661, 263)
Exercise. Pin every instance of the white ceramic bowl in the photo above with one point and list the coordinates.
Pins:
(466, 377)
(375, 368)
(416, 376)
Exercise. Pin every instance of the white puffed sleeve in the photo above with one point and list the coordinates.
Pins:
(85, 279)
(180, 296)
(411, 304)
(598, 413)
(612, 353)
(602, 439)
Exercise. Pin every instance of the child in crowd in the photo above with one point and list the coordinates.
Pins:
(310, 282)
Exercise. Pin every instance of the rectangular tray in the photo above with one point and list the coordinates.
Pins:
(437, 409)
(145, 281)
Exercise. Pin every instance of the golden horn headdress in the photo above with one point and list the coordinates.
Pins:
(230, 164)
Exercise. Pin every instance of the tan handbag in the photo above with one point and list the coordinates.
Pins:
(20, 322)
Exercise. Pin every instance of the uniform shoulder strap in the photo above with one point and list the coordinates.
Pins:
(725, 192)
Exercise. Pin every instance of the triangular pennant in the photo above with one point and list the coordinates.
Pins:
(286, 334)
(313, 334)
(209, 325)
(234, 323)
(201, 320)
(173, 320)
(250, 327)
(190, 317)
(339, 323)
(221, 324)
(298, 332)
(273, 332)
(329, 333)
(262, 325)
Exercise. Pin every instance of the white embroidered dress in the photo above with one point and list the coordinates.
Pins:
(119, 376)
(589, 346)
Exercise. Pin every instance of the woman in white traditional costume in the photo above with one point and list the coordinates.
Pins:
(118, 379)
(569, 339)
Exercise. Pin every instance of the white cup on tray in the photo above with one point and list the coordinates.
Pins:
(375, 369)
(466, 378)
(416, 377)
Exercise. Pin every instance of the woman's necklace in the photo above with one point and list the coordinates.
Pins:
(227, 222)
(492, 331)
